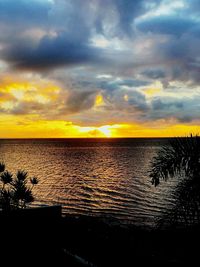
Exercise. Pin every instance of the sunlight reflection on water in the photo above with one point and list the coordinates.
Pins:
(95, 177)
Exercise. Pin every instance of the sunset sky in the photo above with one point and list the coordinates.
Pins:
(99, 68)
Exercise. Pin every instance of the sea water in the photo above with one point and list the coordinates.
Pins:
(106, 177)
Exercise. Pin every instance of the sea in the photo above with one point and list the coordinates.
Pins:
(102, 177)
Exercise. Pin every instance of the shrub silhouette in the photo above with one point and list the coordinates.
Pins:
(15, 192)
(180, 158)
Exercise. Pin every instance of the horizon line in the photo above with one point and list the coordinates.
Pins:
(118, 137)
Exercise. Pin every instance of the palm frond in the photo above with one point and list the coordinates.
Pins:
(6, 177)
(180, 155)
(34, 180)
(2, 167)
(22, 175)
(28, 196)
(15, 192)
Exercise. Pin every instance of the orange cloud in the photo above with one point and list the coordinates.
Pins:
(41, 99)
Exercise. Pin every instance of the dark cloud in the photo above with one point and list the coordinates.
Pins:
(184, 109)
(180, 58)
(174, 49)
(138, 101)
(27, 107)
(65, 40)
(166, 25)
(127, 11)
(120, 14)
(126, 101)
(117, 84)
(51, 53)
(68, 27)
(79, 101)
(132, 83)
(154, 73)
(159, 104)
(65, 37)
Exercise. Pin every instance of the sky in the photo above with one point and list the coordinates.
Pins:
(99, 68)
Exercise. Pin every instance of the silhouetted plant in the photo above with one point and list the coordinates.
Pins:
(2, 167)
(6, 178)
(181, 158)
(15, 192)
(34, 181)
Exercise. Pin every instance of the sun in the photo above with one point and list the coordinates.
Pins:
(105, 130)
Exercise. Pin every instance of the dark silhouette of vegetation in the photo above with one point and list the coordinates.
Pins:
(180, 158)
(15, 192)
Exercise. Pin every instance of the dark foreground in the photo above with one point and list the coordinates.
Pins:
(44, 238)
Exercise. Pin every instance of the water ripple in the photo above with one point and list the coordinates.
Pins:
(94, 176)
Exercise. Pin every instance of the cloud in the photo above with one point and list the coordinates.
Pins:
(113, 48)
(114, 84)
(80, 101)
(47, 35)
(119, 21)
(51, 53)
(183, 109)
(127, 11)
(154, 73)
(47, 100)
(167, 25)
(63, 42)
(130, 102)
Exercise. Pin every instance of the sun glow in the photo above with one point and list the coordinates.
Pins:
(39, 91)
(7, 105)
(17, 93)
(93, 131)
(126, 98)
(152, 91)
(31, 126)
(99, 100)
(106, 130)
